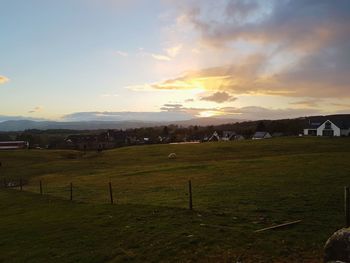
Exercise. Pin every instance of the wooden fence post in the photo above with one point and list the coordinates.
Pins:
(41, 187)
(111, 192)
(20, 184)
(71, 191)
(190, 194)
(346, 206)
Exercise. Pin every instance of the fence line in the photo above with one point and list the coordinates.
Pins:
(20, 184)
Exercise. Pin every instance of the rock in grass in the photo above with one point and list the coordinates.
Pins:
(172, 156)
(337, 248)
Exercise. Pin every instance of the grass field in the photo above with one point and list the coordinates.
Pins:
(238, 187)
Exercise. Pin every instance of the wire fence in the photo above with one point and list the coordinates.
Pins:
(106, 193)
(110, 193)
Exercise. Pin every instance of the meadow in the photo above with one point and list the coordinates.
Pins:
(238, 187)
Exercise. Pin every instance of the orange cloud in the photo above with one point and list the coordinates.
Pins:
(308, 77)
(3, 80)
(304, 46)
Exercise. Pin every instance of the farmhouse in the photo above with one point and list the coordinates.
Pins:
(215, 137)
(228, 135)
(224, 136)
(13, 145)
(261, 135)
(337, 126)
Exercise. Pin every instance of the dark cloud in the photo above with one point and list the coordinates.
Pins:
(172, 107)
(219, 97)
(175, 105)
(311, 37)
(323, 74)
(292, 23)
(239, 10)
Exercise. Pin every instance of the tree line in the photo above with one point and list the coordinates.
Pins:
(165, 134)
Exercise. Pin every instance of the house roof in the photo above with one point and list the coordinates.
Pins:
(342, 121)
(214, 135)
(222, 135)
(228, 133)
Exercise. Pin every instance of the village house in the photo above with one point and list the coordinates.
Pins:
(215, 137)
(224, 136)
(228, 135)
(336, 126)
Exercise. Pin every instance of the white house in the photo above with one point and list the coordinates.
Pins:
(225, 136)
(336, 127)
(215, 137)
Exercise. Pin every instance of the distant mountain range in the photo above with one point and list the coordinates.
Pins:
(21, 125)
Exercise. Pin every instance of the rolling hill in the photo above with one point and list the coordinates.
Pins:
(238, 187)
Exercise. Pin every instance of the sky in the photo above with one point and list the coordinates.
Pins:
(167, 60)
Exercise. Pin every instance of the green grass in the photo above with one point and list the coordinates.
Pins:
(238, 187)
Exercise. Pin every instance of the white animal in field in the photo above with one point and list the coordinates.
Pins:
(172, 156)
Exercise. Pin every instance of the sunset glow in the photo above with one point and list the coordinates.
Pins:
(205, 114)
(138, 56)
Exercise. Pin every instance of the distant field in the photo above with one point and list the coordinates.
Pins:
(238, 187)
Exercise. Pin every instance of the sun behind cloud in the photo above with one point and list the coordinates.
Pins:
(206, 114)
